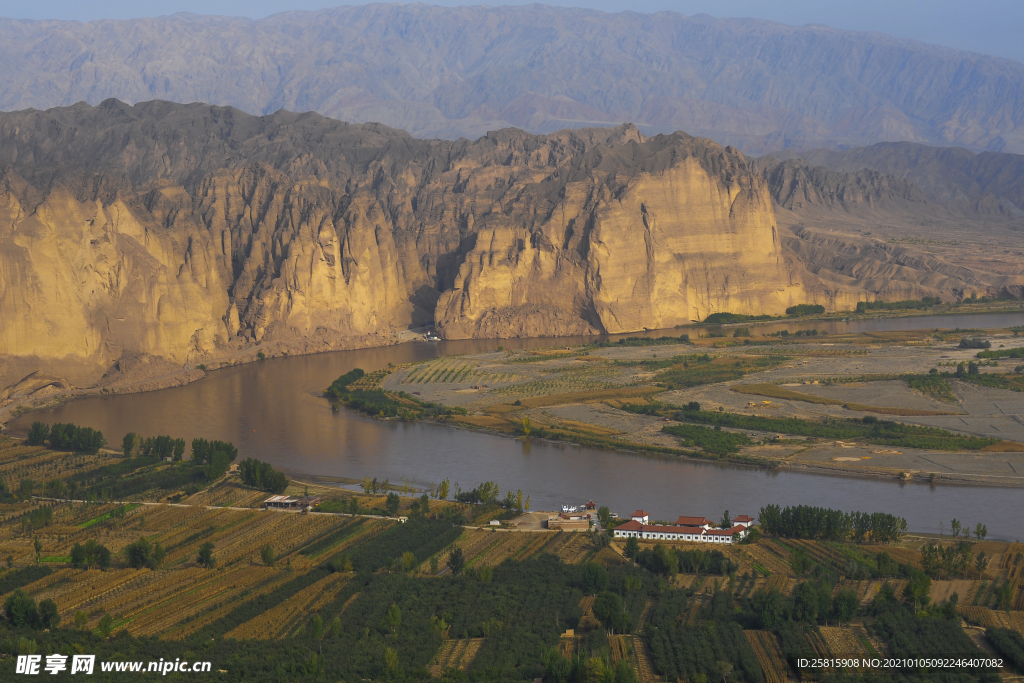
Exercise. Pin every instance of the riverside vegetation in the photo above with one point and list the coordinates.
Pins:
(268, 595)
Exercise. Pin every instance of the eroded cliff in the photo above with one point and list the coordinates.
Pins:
(140, 241)
(646, 234)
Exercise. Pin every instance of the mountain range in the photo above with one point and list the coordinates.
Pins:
(450, 72)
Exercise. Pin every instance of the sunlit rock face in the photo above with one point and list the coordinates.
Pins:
(640, 234)
(162, 235)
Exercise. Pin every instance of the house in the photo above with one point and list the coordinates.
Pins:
(590, 506)
(743, 521)
(289, 503)
(691, 529)
(696, 522)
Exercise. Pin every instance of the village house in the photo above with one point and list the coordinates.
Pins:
(695, 522)
(742, 521)
(568, 522)
(692, 529)
(289, 503)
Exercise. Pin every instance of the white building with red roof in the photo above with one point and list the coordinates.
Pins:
(702, 522)
(692, 529)
(743, 521)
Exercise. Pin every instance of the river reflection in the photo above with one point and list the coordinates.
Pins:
(272, 410)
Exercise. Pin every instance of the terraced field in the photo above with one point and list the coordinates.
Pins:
(587, 377)
(181, 598)
(455, 654)
(1012, 565)
(19, 461)
(983, 616)
(574, 547)
(842, 642)
(772, 661)
(285, 618)
(456, 370)
(768, 557)
(229, 495)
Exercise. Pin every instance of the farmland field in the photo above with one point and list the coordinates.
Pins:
(455, 654)
(379, 593)
(773, 664)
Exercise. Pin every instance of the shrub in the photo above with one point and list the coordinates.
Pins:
(883, 432)
(608, 609)
(805, 309)
(22, 577)
(975, 343)
(456, 560)
(907, 304)
(142, 554)
(1008, 643)
(90, 555)
(49, 617)
(75, 438)
(262, 476)
(486, 493)
(709, 440)
(594, 577)
(215, 456)
(20, 609)
(645, 341)
(806, 521)
(725, 318)
(340, 386)
(1015, 352)
(205, 557)
(38, 433)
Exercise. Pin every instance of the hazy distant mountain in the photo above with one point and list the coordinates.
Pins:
(962, 181)
(462, 71)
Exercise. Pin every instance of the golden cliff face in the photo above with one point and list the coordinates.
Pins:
(686, 232)
(152, 238)
(83, 281)
(86, 281)
(512, 235)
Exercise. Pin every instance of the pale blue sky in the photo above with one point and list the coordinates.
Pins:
(990, 26)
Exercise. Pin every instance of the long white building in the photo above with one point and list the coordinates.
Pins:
(693, 529)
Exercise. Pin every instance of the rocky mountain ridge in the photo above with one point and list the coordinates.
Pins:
(957, 179)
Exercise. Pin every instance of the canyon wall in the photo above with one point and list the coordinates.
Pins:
(141, 241)
(645, 235)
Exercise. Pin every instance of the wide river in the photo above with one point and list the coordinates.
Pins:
(272, 410)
